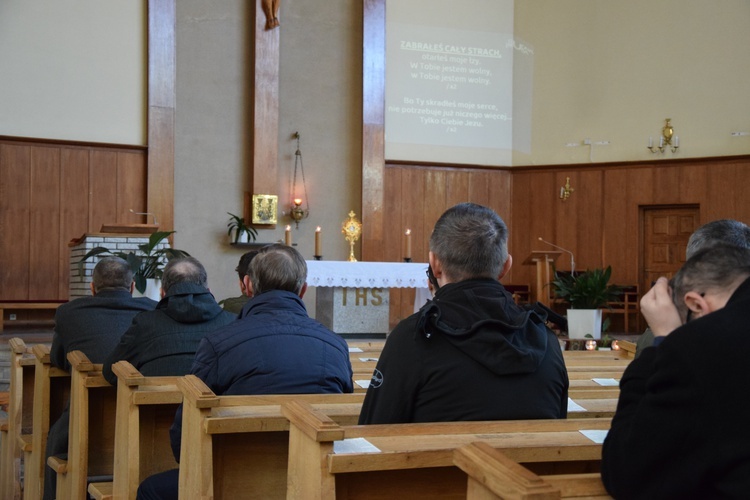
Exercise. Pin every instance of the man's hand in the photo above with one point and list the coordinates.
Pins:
(659, 310)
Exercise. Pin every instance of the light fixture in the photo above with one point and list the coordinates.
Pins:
(566, 190)
(298, 213)
(667, 134)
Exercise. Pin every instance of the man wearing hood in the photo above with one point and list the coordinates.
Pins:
(470, 353)
(164, 341)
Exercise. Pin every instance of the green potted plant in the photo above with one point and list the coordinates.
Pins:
(147, 263)
(238, 231)
(587, 293)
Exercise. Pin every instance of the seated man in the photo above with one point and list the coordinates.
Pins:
(274, 348)
(680, 430)
(471, 353)
(164, 341)
(92, 325)
(235, 304)
(728, 231)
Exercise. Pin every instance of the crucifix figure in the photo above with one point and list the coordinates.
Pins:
(271, 8)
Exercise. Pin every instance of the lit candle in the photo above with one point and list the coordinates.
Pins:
(298, 201)
(615, 345)
(317, 241)
(408, 244)
(590, 345)
(288, 236)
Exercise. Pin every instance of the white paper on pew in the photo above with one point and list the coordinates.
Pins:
(354, 445)
(573, 406)
(606, 381)
(596, 435)
(364, 384)
(368, 359)
(355, 349)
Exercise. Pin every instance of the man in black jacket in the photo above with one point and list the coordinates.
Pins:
(164, 341)
(470, 353)
(92, 325)
(681, 426)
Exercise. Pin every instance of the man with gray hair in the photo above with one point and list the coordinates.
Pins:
(680, 430)
(92, 325)
(470, 353)
(727, 231)
(273, 348)
(164, 341)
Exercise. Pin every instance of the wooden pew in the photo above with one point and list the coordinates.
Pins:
(19, 418)
(145, 411)
(494, 476)
(416, 460)
(51, 393)
(92, 434)
(236, 446)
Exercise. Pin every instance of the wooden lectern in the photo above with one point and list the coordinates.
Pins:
(542, 259)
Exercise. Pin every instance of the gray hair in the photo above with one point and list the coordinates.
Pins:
(717, 267)
(183, 270)
(471, 241)
(727, 231)
(277, 267)
(112, 273)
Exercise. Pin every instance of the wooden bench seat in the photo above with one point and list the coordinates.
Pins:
(416, 460)
(27, 305)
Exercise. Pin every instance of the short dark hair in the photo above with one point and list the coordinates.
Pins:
(244, 265)
(184, 270)
(277, 267)
(731, 232)
(714, 268)
(112, 273)
(471, 241)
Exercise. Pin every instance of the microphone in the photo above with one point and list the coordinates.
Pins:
(572, 261)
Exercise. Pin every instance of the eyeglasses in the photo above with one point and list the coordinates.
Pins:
(431, 278)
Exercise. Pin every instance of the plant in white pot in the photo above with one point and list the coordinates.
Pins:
(587, 293)
(147, 263)
(238, 231)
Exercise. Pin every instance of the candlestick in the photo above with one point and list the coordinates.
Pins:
(317, 242)
(288, 236)
(408, 245)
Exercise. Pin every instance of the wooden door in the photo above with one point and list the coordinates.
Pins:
(666, 231)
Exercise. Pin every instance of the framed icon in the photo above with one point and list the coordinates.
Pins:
(265, 208)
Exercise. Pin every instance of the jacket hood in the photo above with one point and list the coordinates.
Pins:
(479, 318)
(189, 303)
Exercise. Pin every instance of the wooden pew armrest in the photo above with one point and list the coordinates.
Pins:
(313, 423)
(101, 491)
(59, 465)
(24, 442)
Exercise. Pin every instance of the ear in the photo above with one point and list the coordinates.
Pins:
(303, 290)
(248, 286)
(436, 265)
(697, 304)
(506, 267)
(93, 290)
(162, 293)
(132, 287)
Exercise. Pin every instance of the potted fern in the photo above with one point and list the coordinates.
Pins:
(238, 231)
(147, 263)
(587, 293)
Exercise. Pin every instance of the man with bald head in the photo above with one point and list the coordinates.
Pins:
(164, 341)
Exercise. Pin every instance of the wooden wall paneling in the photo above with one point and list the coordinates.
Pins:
(413, 189)
(721, 193)
(568, 216)
(479, 187)
(434, 198)
(74, 207)
(499, 199)
(44, 225)
(742, 204)
(544, 196)
(457, 187)
(103, 189)
(373, 129)
(619, 239)
(666, 186)
(589, 220)
(518, 219)
(692, 184)
(15, 187)
(131, 188)
(392, 241)
(161, 110)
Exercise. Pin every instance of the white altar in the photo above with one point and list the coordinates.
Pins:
(354, 298)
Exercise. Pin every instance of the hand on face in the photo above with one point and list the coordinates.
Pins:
(659, 310)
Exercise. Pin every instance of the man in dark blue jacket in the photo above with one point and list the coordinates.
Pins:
(273, 348)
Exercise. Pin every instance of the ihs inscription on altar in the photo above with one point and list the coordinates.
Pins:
(353, 310)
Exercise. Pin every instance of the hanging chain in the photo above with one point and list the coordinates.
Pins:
(298, 161)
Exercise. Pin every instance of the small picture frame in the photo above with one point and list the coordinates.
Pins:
(265, 208)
